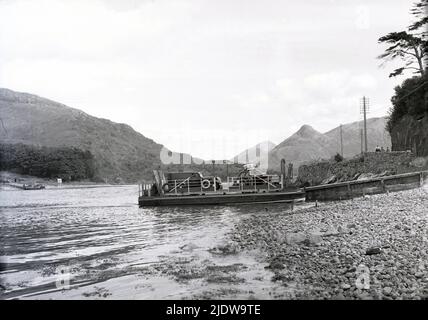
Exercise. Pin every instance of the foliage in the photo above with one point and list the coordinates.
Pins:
(409, 46)
(45, 162)
(419, 10)
(410, 98)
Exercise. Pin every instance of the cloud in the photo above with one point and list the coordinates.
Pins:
(323, 100)
(211, 70)
(125, 5)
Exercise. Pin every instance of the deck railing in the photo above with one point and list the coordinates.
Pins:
(144, 187)
(270, 182)
(193, 185)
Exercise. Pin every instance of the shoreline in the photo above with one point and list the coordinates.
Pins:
(374, 247)
(52, 183)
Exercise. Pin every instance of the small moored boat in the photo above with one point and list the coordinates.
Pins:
(35, 186)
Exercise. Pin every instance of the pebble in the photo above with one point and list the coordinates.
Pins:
(371, 251)
(329, 268)
(387, 290)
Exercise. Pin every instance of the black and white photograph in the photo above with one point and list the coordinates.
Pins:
(213, 150)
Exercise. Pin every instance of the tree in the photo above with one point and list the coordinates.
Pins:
(47, 162)
(410, 98)
(409, 46)
(419, 10)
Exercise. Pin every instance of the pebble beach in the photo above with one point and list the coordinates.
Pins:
(374, 247)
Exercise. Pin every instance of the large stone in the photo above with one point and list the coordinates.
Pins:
(295, 238)
(275, 265)
(387, 291)
(329, 180)
(332, 231)
(314, 238)
(228, 249)
(365, 176)
(373, 250)
(342, 229)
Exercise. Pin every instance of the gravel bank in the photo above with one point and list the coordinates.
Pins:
(374, 247)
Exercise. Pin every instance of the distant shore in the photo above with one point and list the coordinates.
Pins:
(373, 247)
(11, 177)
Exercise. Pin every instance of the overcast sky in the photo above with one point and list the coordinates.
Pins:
(207, 77)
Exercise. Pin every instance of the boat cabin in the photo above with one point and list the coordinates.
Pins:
(190, 182)
(249, 180)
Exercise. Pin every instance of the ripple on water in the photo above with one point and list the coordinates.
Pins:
(103, 240)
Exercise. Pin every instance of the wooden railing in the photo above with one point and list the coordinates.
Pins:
(254, 182)
(192, 185)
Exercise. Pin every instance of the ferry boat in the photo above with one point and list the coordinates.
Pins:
(192, 188)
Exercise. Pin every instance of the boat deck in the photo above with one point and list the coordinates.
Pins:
(221, 198)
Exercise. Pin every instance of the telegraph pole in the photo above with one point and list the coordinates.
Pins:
(364, 110)
(341, 141)
(365, 123)
(362, 139)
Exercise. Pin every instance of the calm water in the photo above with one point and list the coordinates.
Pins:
(96, 243)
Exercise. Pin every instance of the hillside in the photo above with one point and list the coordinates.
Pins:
(123, 155)
(120, 153)
(376, 133)
(307, 144)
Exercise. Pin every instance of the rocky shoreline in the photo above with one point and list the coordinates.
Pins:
(375, 247)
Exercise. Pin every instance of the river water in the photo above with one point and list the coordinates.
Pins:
(96, 243)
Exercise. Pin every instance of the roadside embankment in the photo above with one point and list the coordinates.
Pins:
(369, 165)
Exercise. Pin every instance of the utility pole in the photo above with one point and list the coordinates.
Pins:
(364, 109)
(365, 123)
(283, 180)
(341, 141)
(362, 139)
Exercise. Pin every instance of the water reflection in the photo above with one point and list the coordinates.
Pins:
(101, 235)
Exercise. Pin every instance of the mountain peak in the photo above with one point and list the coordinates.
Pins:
(306, 131)
(307, 144)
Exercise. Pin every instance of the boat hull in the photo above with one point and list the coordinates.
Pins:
(221, 199)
